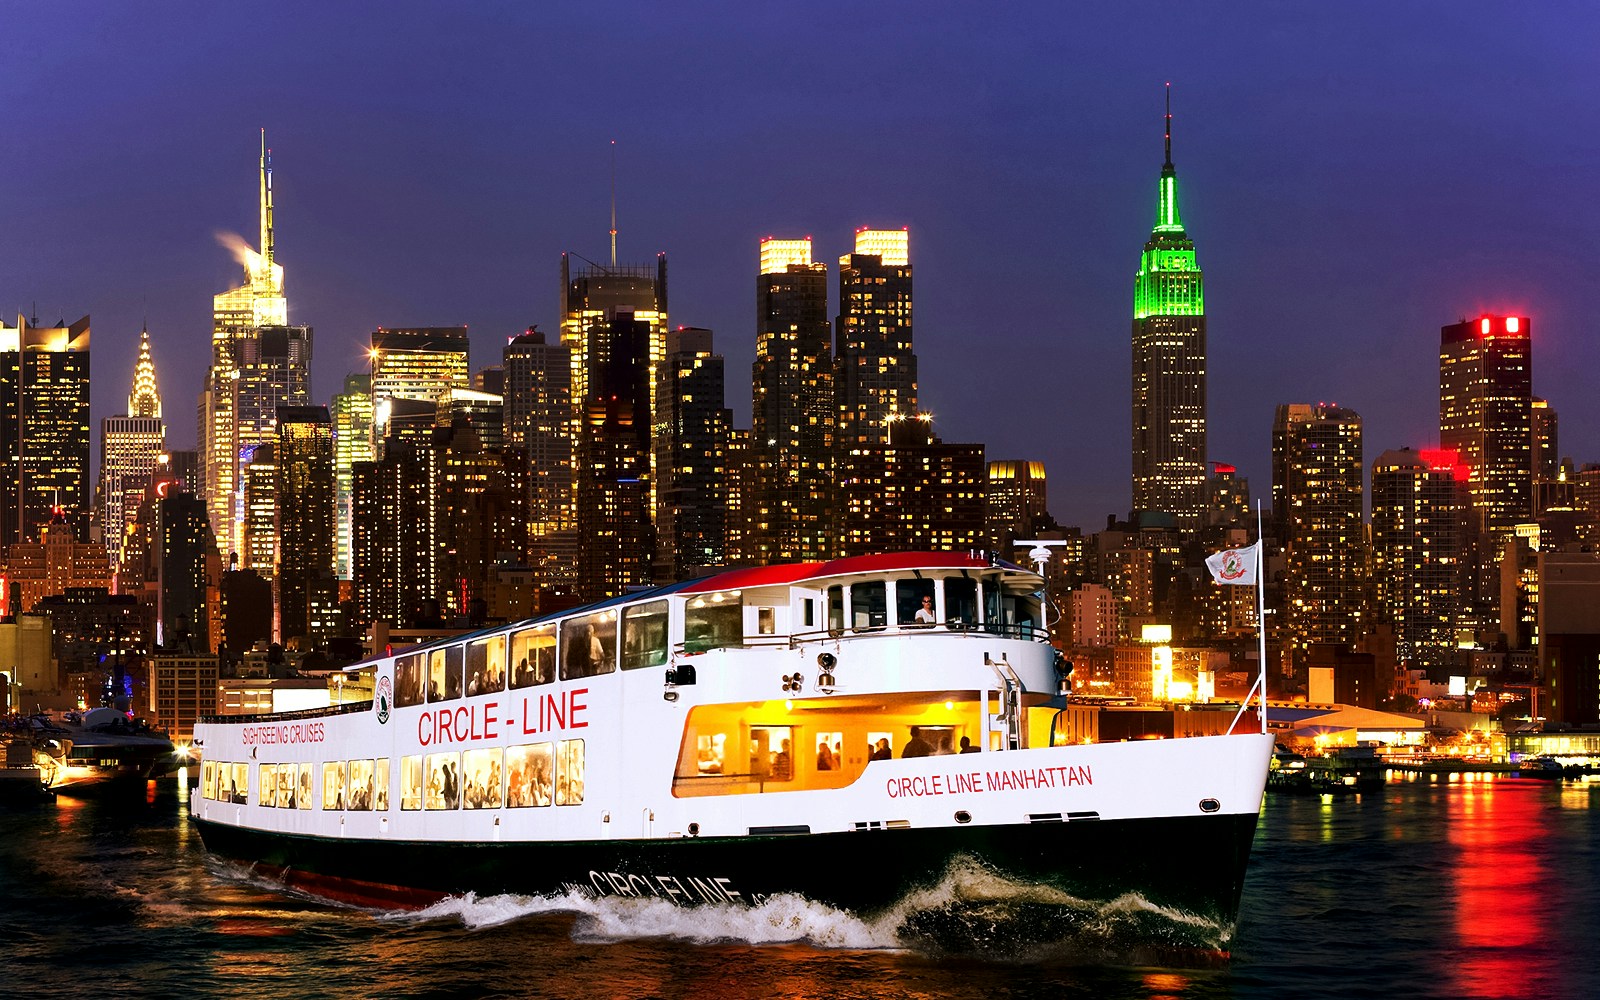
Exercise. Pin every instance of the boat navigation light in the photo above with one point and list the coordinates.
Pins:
(827, 661)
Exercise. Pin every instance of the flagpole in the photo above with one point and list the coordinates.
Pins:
(1261, 614)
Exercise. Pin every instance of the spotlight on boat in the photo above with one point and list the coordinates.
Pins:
(827, 661)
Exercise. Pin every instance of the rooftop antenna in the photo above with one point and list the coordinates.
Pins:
(1169, 123)
(613, 204)
(266, 198)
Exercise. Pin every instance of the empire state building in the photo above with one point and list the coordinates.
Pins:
(1169, 365)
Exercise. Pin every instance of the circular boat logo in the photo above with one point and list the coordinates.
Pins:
(1233, 567)
(383, 698)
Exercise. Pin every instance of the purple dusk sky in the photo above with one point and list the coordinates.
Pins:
(1354, 175)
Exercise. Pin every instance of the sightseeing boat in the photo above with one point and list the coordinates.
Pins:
(846, 731)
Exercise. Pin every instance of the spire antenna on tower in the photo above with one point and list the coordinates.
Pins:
(1169, 123)
(266, 198)
(613, 204)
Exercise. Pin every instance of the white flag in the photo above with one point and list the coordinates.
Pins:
(1234, 565)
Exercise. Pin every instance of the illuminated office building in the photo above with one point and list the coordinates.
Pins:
(794, 411)
(44, 417)
(592, 298)
(914, 492)
(418, 362)
(1416, 550)
(743, 481)
(53, 564)
(691, 457)
(131, 445)
(1486, 417)
(612, 467)
(392, 551)
(1317, 476)
(480, 518)
(539, 423)
(484, 411)
(875, 368)
(352, 442)
(258, 482)
(183, 618)
(306, 592)
(1016, 505)
(1169, 365)
(238, 314)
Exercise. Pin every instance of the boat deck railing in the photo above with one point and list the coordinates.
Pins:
(344, 708)
(990, 630)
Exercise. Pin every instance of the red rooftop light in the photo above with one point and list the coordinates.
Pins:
(1513, 324)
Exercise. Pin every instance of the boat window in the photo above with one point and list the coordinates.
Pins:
(836, 609)
(766, 621)
(961, 602)
(914, 603)
(444, 673)
(411, 783)
(532, 769)
(380, 792)
(286, 785)
(569, 773)
(481, 769)
(869, 605)
(772, 752)
(443, 790)
(589, 645)
(208, 779)
(361, 786)
(830, 751)
(644, 635)
(333, 784)
(1019, 613)
(303, 796)
(991, 604)
(239, 788)
(711, 753)
(880, 745)
(267, 781)
(713, 621)
(486, 665)
(808, 613)
(533, 650)
(409, 688)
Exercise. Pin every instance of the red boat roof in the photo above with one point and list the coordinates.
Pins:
(886, 562)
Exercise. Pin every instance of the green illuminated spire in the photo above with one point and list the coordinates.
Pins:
(1169, 281)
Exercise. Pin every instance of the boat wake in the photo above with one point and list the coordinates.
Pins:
(971, 911)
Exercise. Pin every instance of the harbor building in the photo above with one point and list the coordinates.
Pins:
(794, 412)
(1169, 364)
(44, 414)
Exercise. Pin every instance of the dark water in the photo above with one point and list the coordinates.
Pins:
(1465, 888)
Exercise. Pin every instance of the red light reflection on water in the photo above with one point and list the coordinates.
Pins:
(1503, 888)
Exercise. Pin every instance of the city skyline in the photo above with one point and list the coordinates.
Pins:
(1352, 199)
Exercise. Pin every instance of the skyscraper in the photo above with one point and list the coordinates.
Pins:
(418, 363)
(875, 367)
(794, 412)
(540, 423)
(612, 467)
(1169, 365)
(352, 443)
(130, 447)
(1317, 477)
(591, 299)
(392, 548)
(1017, 504)
(258, 363)
(44, 421)
(1416, 550)
(691, 457)
(913, 492)
(304, 581)
(1486, 417)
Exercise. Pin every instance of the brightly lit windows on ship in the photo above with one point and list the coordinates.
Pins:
(410, 687)
(644, 635)
(221, 781)
(569, 772)
(443, 787)
(533, 655)
(445, 679)
(589, 645)
(486, 665)
(481, 771)
(713, 621)
(802, 744)
(530, 772)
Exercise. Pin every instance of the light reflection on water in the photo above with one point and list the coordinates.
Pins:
(1475, 888)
